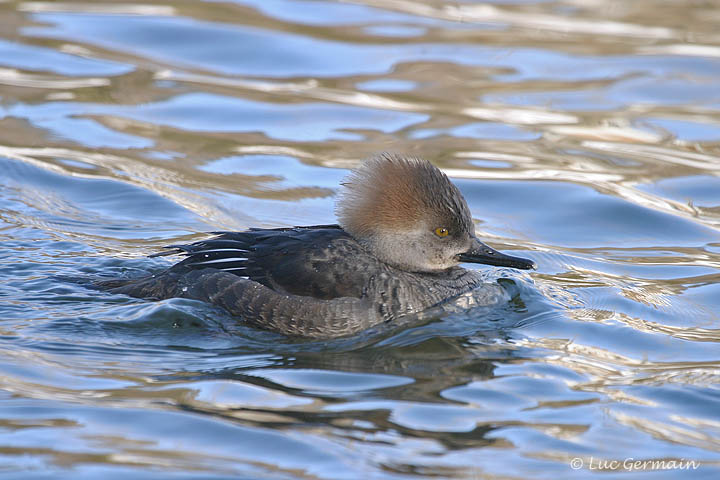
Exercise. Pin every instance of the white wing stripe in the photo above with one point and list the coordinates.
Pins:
(231, 269)
(213, 250)
(221, 260)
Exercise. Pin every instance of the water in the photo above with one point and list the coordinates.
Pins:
(585, 135)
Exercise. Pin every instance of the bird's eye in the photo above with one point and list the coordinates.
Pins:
(442, 232)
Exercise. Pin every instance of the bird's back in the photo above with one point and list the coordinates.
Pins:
(322, 262)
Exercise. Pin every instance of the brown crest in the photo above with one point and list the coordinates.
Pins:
(396, 193)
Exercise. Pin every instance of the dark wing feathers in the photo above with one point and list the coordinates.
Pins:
(308, 261)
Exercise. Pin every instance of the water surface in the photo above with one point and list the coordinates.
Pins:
(584, 135)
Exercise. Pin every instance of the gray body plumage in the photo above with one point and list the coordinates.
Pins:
(307, 281)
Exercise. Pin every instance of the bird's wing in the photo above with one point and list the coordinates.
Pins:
(320, 261)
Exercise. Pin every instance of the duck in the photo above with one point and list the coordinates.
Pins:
(403, 231)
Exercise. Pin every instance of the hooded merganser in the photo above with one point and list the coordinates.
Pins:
(403, 229)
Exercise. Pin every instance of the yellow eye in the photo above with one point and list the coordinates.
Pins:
(442, 232)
